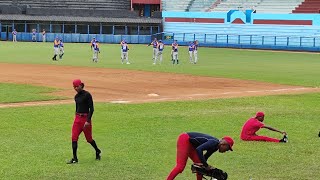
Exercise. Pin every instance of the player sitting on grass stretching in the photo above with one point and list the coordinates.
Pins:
(253, 125)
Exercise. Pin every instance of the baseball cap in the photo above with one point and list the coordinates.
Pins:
(259, 114)
(77, 82)
(230, 141)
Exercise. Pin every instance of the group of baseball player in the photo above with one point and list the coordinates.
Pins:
(33, 38)
(157, 55)
(58, 47)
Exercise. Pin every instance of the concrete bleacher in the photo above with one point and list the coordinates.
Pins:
(308, 6)
(245, 34)
(176, 5)
(261, 6)
(201, 5)
(72, 4)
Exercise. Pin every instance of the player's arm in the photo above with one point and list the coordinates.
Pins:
(205, 147)
(273, 129)
(91, 108)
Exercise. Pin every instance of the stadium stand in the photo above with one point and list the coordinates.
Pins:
(176, 5)
(201, 5)
(308, 6)
(261, 6)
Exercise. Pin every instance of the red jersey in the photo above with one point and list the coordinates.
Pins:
(251, 127)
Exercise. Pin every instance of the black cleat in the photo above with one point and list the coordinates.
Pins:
(72, 161)
(284, 139)
(98, 156)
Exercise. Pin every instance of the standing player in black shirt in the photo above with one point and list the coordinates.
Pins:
(82, 120)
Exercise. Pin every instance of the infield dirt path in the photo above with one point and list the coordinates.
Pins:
(129, 86)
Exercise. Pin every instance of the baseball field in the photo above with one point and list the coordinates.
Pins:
(140, 109)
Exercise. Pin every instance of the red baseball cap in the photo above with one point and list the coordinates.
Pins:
(259, 114)
(77, 82)
(230, 141)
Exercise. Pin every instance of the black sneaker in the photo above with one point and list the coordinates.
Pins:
(284, 139)
(98, 156)
(72, 161)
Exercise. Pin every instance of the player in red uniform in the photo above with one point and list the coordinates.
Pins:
(253, 125)
(82, 120)
(192, 145)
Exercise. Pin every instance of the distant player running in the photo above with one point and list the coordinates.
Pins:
(253, 125)
(96, 51)
(175, 54)
(56, 44)
(61, 49)
(154, 44)
(124, 53)
(160, 48)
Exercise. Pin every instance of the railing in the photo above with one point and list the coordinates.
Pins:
(268, 41)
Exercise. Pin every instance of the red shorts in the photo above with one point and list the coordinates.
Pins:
(77, 128)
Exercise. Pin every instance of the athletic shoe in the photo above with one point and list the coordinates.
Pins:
(284, 139)
(98, 156)
(128, 63)
(154, 63)
(72, 161)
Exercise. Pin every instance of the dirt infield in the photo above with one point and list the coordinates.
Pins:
(128, 86)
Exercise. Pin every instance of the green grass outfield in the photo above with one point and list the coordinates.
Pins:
(279, 67)
(139, 140)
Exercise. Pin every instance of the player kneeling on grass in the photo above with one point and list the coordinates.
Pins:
(192, 145)
(253, 125)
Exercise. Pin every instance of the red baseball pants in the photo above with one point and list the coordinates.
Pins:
(78, 127)
(259, 138)
(184, 150)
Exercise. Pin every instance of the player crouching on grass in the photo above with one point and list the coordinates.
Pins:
(253, 125)
(192, 145)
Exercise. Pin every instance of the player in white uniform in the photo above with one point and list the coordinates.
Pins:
(43, 35)
(191, 50)
(14, 35)
(96, 51)
(154, 44)
(175, 52)
(56, 44)
(195, 52)
(61, 49)
(160, 48)
(124, 52)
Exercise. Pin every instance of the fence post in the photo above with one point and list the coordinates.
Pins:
(262, 40)
(287, 41)
(239, 39)
(314, 42)
(300, 41)
(275, 40)
(216, 38)
(25, 27)
(194, 37)
(250, 39)
(227, 39)
(184, 36)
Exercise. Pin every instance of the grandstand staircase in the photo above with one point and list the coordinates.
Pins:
(308, 6)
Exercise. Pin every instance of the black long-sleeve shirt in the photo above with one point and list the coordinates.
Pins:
(84, 103)
(204, 142)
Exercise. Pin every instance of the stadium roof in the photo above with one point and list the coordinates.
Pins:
(16, 17)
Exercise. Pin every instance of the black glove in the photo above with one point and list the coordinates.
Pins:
(212, 172)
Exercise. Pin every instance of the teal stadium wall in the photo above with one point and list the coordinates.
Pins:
(239, 29)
